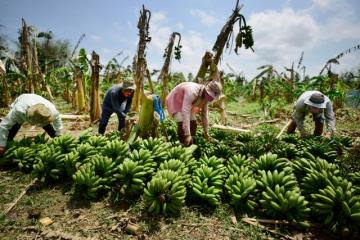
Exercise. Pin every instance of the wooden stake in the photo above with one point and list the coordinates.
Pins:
(19, 197)
(283, 129)
(229, 129)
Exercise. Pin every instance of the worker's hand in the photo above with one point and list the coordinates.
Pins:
(329, 135)
(209, 138)
(2, 151)
(188, 140)
(304, 134)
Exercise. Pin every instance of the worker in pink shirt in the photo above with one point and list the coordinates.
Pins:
(185, 101)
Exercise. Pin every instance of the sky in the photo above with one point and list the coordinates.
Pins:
(282, 30)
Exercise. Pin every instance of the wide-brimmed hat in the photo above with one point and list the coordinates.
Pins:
(214, 89)
(39, 113)
(316, 100)
(128, 84)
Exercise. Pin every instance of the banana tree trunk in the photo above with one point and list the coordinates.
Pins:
(26, 57)
(148, 76)
(5, 95)
(205, 63)
(143, 26)
(81, 104)
(254, 89)
(146, 117)
(95, 95)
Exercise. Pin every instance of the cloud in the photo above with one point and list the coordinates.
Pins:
(205, 18)
(281, 35)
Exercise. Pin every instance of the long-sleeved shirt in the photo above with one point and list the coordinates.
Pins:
(17, 114)
(301, 110)
(115, 100)
(183, 99)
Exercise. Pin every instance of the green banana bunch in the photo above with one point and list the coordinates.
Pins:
(207, 184)
(144, 158)
(85, 135)
(240, 190)
(86, 182)
(40, 139)
(355, 178)
(117, 150)
(65, 143)
(165, 193)
(252, 149)
(49, 164)
(129, 179)
(97, 141)
(182, 154)
(25, 158)
(271, 162)
(114, 135)
(178, 167)
(337, 205)
(158, 148)
(214, 162)
(280, 203)
(291, 138)
(248, 39)
(104, 167)
(286, 150)
(245, 137)
(315, 180)
(78, 157)
(238, 163)
(317, 146)
(271, 179)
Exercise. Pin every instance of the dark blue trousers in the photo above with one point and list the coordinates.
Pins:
(105, 115)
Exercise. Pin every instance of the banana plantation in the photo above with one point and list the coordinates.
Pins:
(244, 175)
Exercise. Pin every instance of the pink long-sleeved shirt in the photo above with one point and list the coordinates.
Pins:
(182, 99)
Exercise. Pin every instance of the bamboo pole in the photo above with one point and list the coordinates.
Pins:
(229, 129)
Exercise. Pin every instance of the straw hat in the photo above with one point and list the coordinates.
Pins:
(316, 100)
(39, 113)
(214, 88)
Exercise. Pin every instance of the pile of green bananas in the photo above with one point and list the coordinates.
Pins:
(279, 203)
(184, 155)
(284, 179)
(25, 158)
(237, 164)
(96, 141)
(87, 183)
(319, 147)
(207, 184)
(129, 179)
(117, 150)
(176, 166)
(337, 205)
(78, 157)
(286, 150)
(241, 190)
(157, 147)
(144, 158)
(65, 143)
(271, 162)
(214, 162)
(165, 193)
(252, 149)
(355, 179)
(104, 167)
(49, 164)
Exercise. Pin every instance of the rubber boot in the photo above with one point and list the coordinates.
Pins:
(181, 133)
(319, 127)
(193, 127)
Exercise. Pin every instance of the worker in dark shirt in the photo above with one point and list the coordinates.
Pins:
(117, 100)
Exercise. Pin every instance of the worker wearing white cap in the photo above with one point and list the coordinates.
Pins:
(33, 109)
(320, 107)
